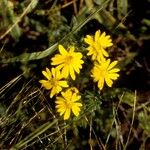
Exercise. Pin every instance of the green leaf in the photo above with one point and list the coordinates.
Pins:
(11, 19)
(34, 134)
(128, 98)
(122, 6)
(144, 119)
(42, 54)
(32, 56)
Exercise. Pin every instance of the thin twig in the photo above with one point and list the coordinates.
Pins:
(69, 3)
(98, 141)
(90, 134)
(133, 116)
(113, 120)
(18, 20)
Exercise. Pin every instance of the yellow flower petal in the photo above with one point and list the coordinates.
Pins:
(101, 83)
(97, 35)
(75, 110)
(76, 68)
(67, 114)
(65, 71)
(53, 72)
(61, 110)
(53, 92)
(46, 84)
(63, 83)
(72, 74)
(89, 39)
(114, 63)
(47, 74)
(75, 97)
(114, 70)
(78, 104)
(58, 59)
(109, 82)
(62, 50)
(71, 49)
(105, 52)
(113, 76)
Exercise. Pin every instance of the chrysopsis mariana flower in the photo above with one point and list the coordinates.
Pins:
(68, 102)
(105, 71)
(97, 45)
(54, 82)
(68, 62)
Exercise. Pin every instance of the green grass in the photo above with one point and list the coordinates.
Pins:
(114, 118)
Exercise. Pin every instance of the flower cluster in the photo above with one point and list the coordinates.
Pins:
(68, 63)
(103, 70)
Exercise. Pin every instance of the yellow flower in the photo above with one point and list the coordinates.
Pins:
(97, 45)
(54, 81)
(68, 102)
(68, 62)
(105, 71)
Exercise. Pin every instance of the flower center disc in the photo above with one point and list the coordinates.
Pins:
(69, 59)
